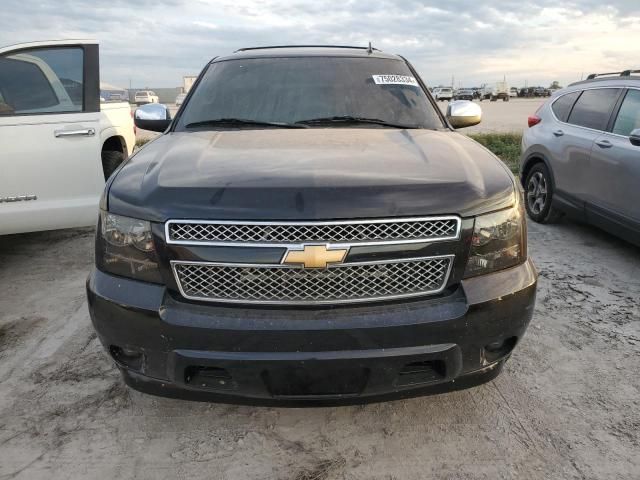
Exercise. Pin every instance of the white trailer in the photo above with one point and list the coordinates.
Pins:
(495, 91)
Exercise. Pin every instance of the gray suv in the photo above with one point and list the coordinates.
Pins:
(581, 155)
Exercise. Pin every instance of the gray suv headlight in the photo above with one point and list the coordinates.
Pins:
(498, 241)
(125, 247)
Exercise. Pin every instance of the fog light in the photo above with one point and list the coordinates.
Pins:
(494, 347)
(496, 350)
(128, 357)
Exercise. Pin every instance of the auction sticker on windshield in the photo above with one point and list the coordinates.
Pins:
(395, 80)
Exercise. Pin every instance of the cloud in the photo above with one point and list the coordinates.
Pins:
(156, 42)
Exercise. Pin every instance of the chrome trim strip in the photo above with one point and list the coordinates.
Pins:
(84, 132)
(18, 198)
(298, 246)
(451, 258)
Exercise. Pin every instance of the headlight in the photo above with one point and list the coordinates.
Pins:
(498, 242)
(125, 247)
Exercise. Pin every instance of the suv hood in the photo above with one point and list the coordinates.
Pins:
(310, 174)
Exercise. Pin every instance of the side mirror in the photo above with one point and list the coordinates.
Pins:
(463, 113)
(152, 116)
(634, 137)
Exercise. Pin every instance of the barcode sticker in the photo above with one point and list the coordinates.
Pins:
(394, 80)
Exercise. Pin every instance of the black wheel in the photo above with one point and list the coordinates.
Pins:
(538, 195)
(111, 160)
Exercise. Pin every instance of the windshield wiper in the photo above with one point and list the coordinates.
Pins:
(241, 121)
(353, 120)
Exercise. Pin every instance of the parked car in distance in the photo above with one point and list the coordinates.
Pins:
(180, 99)
(443, 93)
(513, 92)
(463, 94)
(581, 155)
(542, 92)
(111, 93)
(143, 97)
(59, 143)
(526, 92)
(329, 238)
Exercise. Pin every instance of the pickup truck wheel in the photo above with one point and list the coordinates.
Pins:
(111, 160)
(539, 194)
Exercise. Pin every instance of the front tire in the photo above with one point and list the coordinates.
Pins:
(539, 195)
(111, 159)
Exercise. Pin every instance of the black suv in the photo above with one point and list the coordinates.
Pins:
(309, 227)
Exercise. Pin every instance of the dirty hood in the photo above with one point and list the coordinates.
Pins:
(308, 174)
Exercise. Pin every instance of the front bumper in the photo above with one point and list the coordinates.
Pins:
(167, 346)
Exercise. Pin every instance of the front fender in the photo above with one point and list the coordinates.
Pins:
(128, 138)
(532, 155)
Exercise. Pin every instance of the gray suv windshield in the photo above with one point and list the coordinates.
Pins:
(299, 89)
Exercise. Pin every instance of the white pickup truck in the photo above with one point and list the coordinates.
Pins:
(58, 143)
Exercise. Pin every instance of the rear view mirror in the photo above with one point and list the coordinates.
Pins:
(463, 113)
(152, 116)
(634, 137)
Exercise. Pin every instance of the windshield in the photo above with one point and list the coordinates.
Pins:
(298, 89)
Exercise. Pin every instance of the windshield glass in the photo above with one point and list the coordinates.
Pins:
(290, 90)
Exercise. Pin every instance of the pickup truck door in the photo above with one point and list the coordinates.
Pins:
(50, 169)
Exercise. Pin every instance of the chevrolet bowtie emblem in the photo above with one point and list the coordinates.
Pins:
(315, 256)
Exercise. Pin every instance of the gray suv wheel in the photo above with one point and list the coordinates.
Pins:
(538, 195)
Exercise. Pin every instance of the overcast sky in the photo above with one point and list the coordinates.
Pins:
(155, 42)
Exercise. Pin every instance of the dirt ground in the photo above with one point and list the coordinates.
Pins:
(566, 406)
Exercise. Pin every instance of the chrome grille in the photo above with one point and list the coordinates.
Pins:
(269, 233)
(340, 283)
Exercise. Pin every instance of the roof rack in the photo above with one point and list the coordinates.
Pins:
(306, 46)
(624, 73)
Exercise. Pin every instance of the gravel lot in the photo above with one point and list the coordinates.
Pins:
(496, 116)
(502, 116)
(566, 406)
